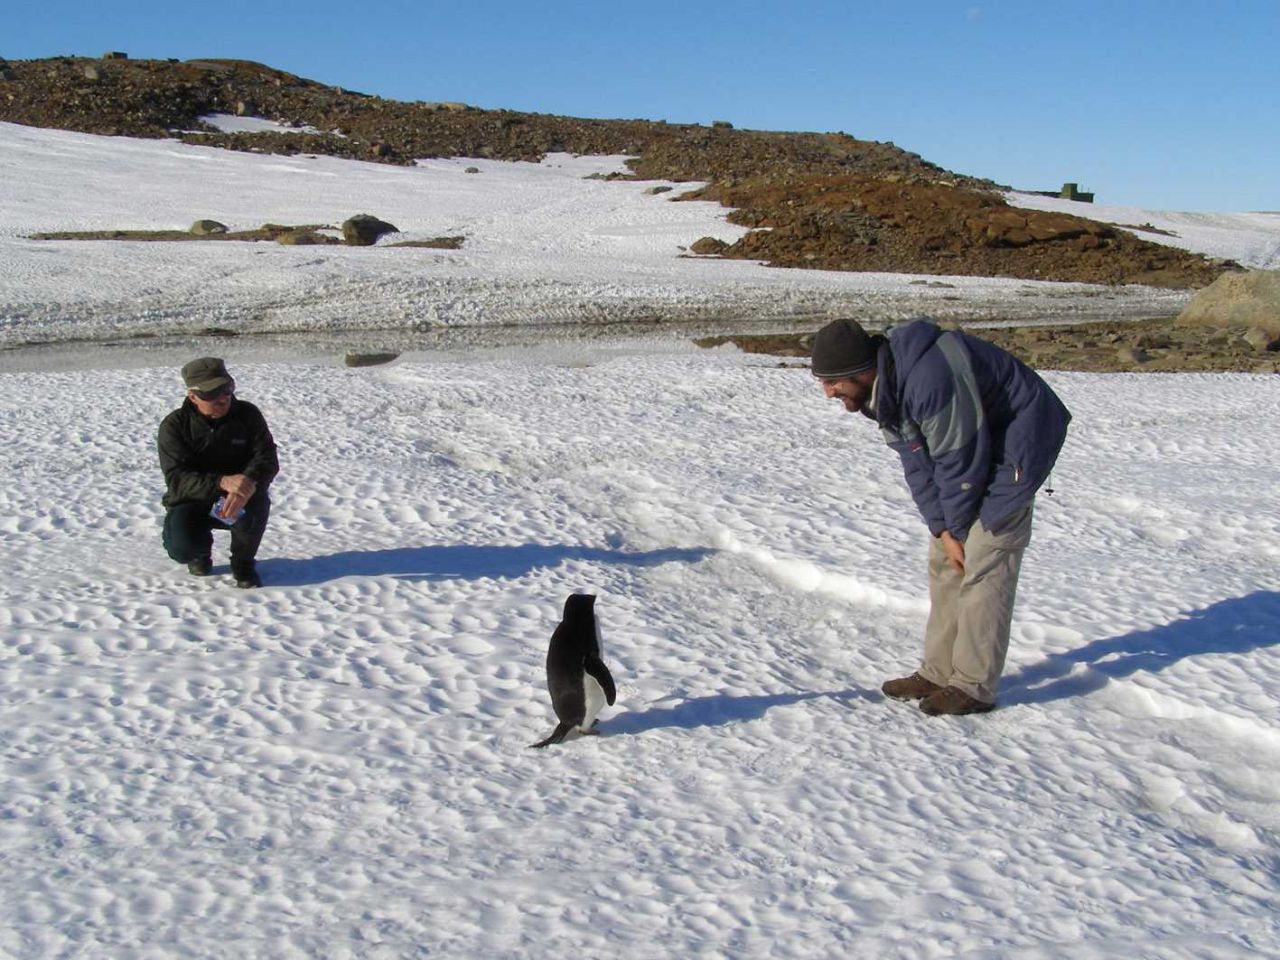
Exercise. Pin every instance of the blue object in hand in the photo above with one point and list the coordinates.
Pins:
(216, 512)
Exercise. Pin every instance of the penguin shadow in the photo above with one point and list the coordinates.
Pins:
(717, 710)
(1237, 625)
(458, 562)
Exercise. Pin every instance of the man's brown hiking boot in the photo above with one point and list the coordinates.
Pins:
(909, 688)
(953, 701)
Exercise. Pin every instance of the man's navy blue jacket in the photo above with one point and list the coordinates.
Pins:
(978, 431)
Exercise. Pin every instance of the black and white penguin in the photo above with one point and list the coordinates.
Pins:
(579, 682)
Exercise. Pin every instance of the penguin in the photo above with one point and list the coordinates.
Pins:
(579, 682)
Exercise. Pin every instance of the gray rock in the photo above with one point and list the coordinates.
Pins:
(709, 245)
(1154, 341)
(1238, 300)
(1132, 355)
(204, 228)
(363, 230)
(354, 359)
(1260, 339)
(654, 191)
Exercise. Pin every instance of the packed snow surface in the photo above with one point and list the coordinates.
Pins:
(336, 765)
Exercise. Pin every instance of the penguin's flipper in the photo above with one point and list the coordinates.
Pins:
(595, 667)
(556, 736)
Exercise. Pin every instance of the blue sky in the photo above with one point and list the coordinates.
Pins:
(1168, 105)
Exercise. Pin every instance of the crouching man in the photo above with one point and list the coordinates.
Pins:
(978, 432)
(218, 458)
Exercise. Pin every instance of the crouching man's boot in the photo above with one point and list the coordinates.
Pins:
(246, 576)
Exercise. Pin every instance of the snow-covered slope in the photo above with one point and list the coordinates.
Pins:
(544, 245)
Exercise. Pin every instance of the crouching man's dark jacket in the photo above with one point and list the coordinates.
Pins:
(196, 451)
(978, 431)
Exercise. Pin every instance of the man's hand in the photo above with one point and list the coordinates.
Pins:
(238, 489)
(954, 550)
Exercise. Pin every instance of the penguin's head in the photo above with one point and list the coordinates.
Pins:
(579, 605)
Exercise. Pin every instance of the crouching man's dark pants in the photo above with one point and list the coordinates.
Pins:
(188, 532)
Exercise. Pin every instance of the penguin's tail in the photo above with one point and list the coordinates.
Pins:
(556, 736)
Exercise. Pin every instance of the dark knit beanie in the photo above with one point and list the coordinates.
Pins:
(843, 349)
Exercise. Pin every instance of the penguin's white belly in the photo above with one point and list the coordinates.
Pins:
(594, 700)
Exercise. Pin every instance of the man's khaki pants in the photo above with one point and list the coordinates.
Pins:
(970, 613)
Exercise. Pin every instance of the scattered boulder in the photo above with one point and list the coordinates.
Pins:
(354, 359)
(363, 230)
(654, 191)
(1238, 300)
(709, 246)
(245, 109)
(1160, 340)
(204, 228)
(471, 170)
(92, 73)
(1135, 356)
(1261, 340)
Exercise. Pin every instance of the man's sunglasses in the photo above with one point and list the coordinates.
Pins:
(209, 395)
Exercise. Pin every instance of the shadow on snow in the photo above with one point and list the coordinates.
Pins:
(717, 710)
(1238, 625)
(458, 562)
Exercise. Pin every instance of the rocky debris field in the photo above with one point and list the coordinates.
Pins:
(829, 200)
(1152, 346)
(846, 222)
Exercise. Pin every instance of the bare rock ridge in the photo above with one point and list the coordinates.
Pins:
(830, 200)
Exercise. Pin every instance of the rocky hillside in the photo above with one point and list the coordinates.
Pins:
(830, 200)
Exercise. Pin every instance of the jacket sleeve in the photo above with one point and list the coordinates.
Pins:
(916, 465)
(184, 480)
(263, 464)
(942, 397)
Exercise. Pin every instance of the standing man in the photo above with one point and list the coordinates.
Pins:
(218, 458)
(978, 432)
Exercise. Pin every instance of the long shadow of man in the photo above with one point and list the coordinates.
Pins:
(460, 562)
(720, 709)
(1238, 625)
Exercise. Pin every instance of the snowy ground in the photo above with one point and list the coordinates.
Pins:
(336, 765)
